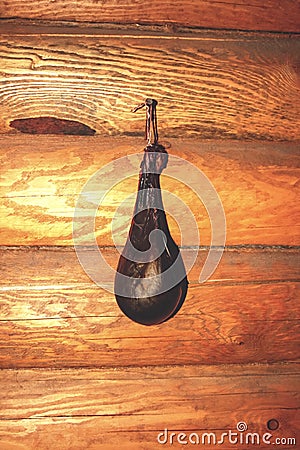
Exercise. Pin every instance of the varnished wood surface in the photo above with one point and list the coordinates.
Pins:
(58, 267)
(248, 312)
(75, 372)
(42, 177)
(209, 85)
(273, 15)
(86, 433)
(114, 341)
(105, 408)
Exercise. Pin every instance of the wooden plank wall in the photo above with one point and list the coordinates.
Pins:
(75, 373)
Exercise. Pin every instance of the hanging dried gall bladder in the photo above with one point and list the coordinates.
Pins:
(150, 283)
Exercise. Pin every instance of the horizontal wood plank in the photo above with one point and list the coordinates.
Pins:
(38, 268)
(272, 15)
(50, 283)
(97, 342)
(264, 302)
(184, 385)
(88, 433)
(212, 85)
(128, 407)
(53, 316)
(42, 177)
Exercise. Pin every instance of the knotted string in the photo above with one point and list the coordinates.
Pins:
(151, 131)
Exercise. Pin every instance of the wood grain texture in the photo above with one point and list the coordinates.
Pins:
(105, 408)
(42, 177)
(56, 266)
(86, 433)
(272, 15)
(53, 316)
(73, 369)
(212, 85)
(115, 341)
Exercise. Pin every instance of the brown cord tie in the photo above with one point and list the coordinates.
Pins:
(151, 120)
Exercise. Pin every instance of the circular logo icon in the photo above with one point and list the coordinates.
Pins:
(91, 200)
(241, 426)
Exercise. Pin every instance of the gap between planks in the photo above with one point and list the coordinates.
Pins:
(23, 27)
